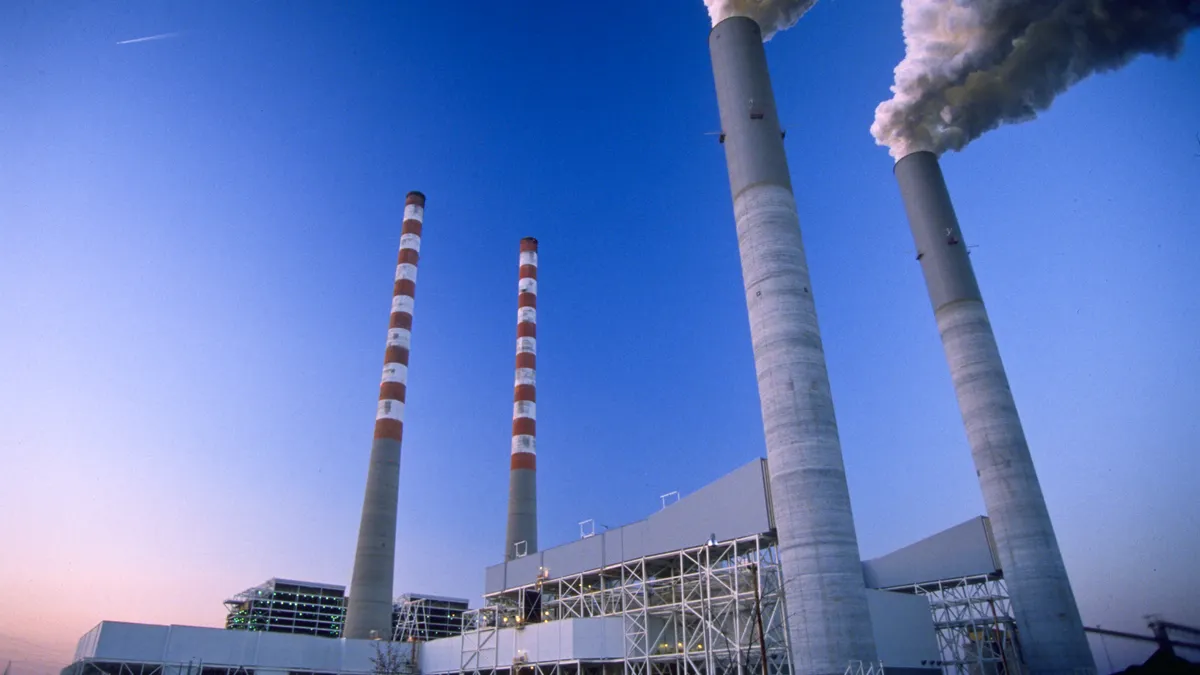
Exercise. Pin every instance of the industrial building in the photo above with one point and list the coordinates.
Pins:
(694, 587)
(308, 608)
(419, 617)
(286, 606)
(697, 587)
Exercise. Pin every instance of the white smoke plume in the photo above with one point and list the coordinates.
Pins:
(771, 15)
(972, 65)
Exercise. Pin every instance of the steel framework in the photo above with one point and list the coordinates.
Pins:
(418, 618)
(284, 606)
(412, 620)
(976, 630)
(694, 611)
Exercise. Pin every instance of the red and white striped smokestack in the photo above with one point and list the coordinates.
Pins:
(521, 537)
(369, 610)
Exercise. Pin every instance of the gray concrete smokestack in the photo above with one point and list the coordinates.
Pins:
(1051, 632)
(828, 621)
(369, 609)
(521, 535)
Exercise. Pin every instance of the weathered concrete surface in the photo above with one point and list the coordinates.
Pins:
(828, 621)
(1051, 631)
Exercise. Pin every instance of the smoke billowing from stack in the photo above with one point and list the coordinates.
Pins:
(818, 548)
(972, 65)
(369, 609)
(521, 535)
(771, 16)
(1051, 632)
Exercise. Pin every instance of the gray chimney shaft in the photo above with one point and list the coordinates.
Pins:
(828, 621)
(1051, 632)
(369, 607)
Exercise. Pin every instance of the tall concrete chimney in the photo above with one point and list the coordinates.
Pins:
(521, 535)
(828, 624)
(1051, 632)
(369, 609)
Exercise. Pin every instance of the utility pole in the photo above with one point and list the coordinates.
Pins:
(762, 641)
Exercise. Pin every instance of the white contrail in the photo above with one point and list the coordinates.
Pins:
(149, 38)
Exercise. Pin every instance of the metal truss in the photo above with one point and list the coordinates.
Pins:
(864, 668)
(412, 621)
(480, 641)
(976, 631)
(283, 606)
(693, 611)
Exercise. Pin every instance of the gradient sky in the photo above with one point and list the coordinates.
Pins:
(197, 240)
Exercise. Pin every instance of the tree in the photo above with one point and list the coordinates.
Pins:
(389, 659)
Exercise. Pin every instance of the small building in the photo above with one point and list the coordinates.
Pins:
(420, 618)
(288, 606)
(694, 588)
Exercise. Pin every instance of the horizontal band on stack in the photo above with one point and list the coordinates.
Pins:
(393, 386)
(524, 428)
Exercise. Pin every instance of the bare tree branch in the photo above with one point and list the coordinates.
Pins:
(388, 660)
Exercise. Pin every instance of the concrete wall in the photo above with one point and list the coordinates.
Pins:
(961, 551)
(903, 629)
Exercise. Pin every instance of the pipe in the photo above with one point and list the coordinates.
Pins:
(369, 608)
(828, 622)
(1050, 630)
(521, 534)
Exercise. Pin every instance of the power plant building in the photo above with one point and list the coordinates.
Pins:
(680, 591)
(286, 606)
(697, 588)
(756, 573)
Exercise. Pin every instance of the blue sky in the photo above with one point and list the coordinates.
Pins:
(197, 240)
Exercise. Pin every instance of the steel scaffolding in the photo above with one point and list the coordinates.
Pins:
(285, 606)
(419, 618)
(976, 631)
(695, 611)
